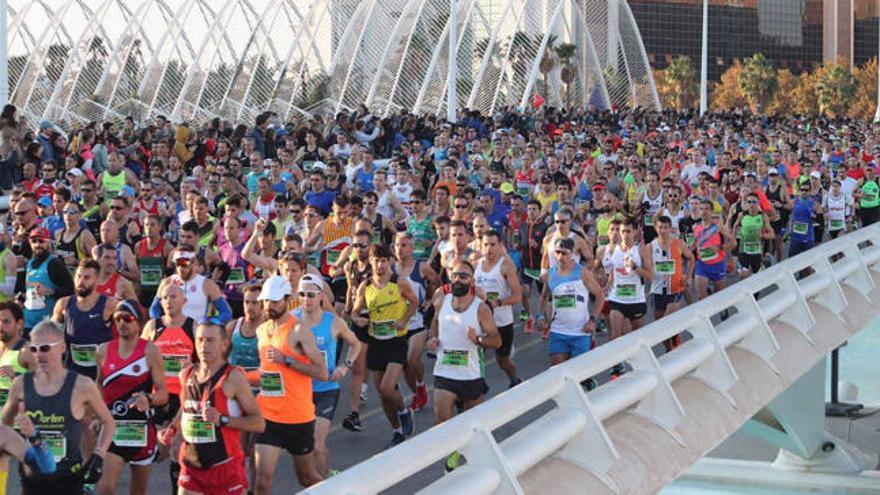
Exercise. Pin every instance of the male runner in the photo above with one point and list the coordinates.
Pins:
(201, 292)
(672, 276)
(710, 239)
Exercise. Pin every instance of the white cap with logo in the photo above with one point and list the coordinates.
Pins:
(274, 289)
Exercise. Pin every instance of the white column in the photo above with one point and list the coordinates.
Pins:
(451, 83)
(704, 59)
(4, 56)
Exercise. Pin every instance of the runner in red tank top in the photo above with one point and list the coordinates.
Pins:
(217, 406)
(128, 367)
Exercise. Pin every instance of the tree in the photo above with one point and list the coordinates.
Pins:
(835, 88)
(681, 79)
(726, 93)
(548, 62)
(865, 101)
(566, 53)
(758, 81)
(788, 85)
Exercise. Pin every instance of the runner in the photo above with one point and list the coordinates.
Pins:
(52, 403)
(202, 294)
(328, 329)
(46, 279)
(73, 242)
(151, 251)
(390, 306)
(838, 208)
(357, 271)
(497, 276)
(531, 235)
(110, 281)
(710, 240)
(803, 211)
(128, 369)
(753, 227)
(672, 274)
(288, 361)
(463, 327)
(14, 356)
(217, 405)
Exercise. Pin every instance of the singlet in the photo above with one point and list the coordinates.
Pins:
(705, 238)
(65, 249)
(569, 297)
(54, 421)
(108, 288)
(10, 358)
(121, 378)
(244, 352)
(626, 286)
(37, 307)
(285, 394)
(497, 289)
(380, 234)
(3, 254)
(196, 306)
(603, 223)
(668, 278)
(417, 283)
(674, 219)
(750, 227)
(457, 357)
(386, 307)
(203, 445)
(383, 206)
(85, 330)
(337, 236)
(113, 184)
(364, 180)
(774, 196)
(178, 350)
(151, 263)
(325, 342)
(423, 236)
(654, 205)
(870, 195)
(240, 270)
(835, 209)
(802, 220)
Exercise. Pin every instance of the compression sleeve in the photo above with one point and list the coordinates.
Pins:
(224, 312)
(156, 308)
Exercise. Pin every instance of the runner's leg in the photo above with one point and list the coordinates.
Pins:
(322, 454)
(266, 459)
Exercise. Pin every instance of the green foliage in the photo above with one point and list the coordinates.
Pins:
(835, 88)
(758, 81)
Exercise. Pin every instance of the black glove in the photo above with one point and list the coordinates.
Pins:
(93, 469)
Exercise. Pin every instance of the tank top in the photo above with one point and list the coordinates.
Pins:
(668, 277)
(108, 288)
(245, 352)
(457, 357)
(3, 254)
(386, 307)
(802, 220)
(240, 271)
(750, 227)
(37, 307)
(203, 445)
(380, 233)
(178, 350)
(364, 180)
(383, 206)
(497, 289)
(325, 342)
(423, 236)
(65, 249)
(654, 205)
(285, 394)
(417, 283)
(121, 378)
(113, 184)
(569, 297)
(196, 306)
(10, 358)
(870, 195)
(705, 238)
(674, 219)
(835, 209)
(337, 236)
(85, 330)
(626, 286)
(151, 262)
(54, 420)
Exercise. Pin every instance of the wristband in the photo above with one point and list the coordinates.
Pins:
(288, 361)
(224, 420)
(348, 363)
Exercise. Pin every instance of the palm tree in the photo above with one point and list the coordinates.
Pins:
(566, 52)
(682, 79)
(835, 88)
(758, 81)
(548, 62)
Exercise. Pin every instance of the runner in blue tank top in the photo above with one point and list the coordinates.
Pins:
(803, 210)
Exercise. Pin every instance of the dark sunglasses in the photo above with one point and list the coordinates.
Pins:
(125, 317)
(359, 245)
(183, 261)
(117, 208)
(307, 295)
(460, 207)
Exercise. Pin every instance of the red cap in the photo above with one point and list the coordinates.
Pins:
(40, 233)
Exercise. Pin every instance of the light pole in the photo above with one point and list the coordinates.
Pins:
(704, 59)
(451, 98)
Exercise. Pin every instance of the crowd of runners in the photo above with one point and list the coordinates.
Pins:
(200, 293)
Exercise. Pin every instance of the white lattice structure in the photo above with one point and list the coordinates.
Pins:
(74, 61)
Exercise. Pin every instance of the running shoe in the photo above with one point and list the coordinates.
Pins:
(617, 371)
(529, 327)
(516, 381)
(523, 316)
(363, 392)
(40, 459)
(452, 462)
(352, 422)
(406, 421)
(396, 439)
(590, 384)
(545, 332)
(420, 398)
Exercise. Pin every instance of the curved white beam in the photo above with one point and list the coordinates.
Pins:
(536, 64)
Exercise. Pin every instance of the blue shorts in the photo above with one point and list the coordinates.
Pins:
(797, 247)
(662, 301)
(573, 345)
(714, 272)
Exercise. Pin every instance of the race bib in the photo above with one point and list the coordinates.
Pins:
(56, 443)
(236, 276)
(564, 302)
(836, 224)
(83, 355)
(708, 254)
(333, 256)
(800, 228)
(752, 247)
(533, 273)
(130, 434)
(665, 267)
(271, 384)
(308, 166)
(196, 430)
(626, 290)
(492, 296)
(689, 239)
(604, 240)
(173, 363)
(383, 329)
(455, 358)
(649, 220)
(151, 272)
(869, 197)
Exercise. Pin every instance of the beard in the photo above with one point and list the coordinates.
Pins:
(274, 314)
(84, 291)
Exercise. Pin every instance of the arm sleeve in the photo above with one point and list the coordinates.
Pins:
(155, 308)
(224, 312)
(60, 277)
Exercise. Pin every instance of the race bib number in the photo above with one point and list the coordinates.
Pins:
(626, 290)
(333, 256)
(173, 363)
(564, 302)
(492, 296)
(649, 220)
(869, 197)
(708, 254)
(83, 355)
(752, 247)
(836, 224)
(383, 329)
(236, 276)
(271, 384)
(533, 273)
(604, 240)
(130, 434)
(151, 272)
(56, 443)
(665, 267)
(196, 430)
(308, 166)
(800, 228)
(456, 359)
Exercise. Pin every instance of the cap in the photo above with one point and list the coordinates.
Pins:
(274, 289)
(40, 233)
(182, 255)
(773, 171)
(44, 201)
(506, 188)
(75, 172)
(310, 283)
(815, 174)
(45, 124)
(130, 307)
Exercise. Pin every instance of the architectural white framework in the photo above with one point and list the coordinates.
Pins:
(82, 60)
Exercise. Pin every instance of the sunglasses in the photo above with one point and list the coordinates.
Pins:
(183, 262)
(562, 252)
(291, 255)
(39, 240)
(307, 295)
(117, 208)
(43, 347)
(460, 207)
(124, 317)
(464, 275)
(71, 212)
(359, 245)
(295, 212)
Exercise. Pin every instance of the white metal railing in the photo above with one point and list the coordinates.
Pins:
(575, 424)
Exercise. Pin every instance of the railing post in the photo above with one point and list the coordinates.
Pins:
(662, 405)
(717, 372)
(798, 315)
(832, 298)
(761, 342)
(483, 450)
(861, 280)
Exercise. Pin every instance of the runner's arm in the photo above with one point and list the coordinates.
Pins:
(93, 399)
(157, 373)
(490, 339)
(16, 396)
(509, 272)
(248, 253)
(341, 331)
(646, 270)
(58, 311)
(594, 289)
(412, 302)
(688, 255)
(305, 343)
(251, 419)
(215, 296)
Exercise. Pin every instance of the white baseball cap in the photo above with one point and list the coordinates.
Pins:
(815, 174)
(310, 283)
(274, 289)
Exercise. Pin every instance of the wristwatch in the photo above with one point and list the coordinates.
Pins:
(348, 363)
(288, 361)
(224, 420)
